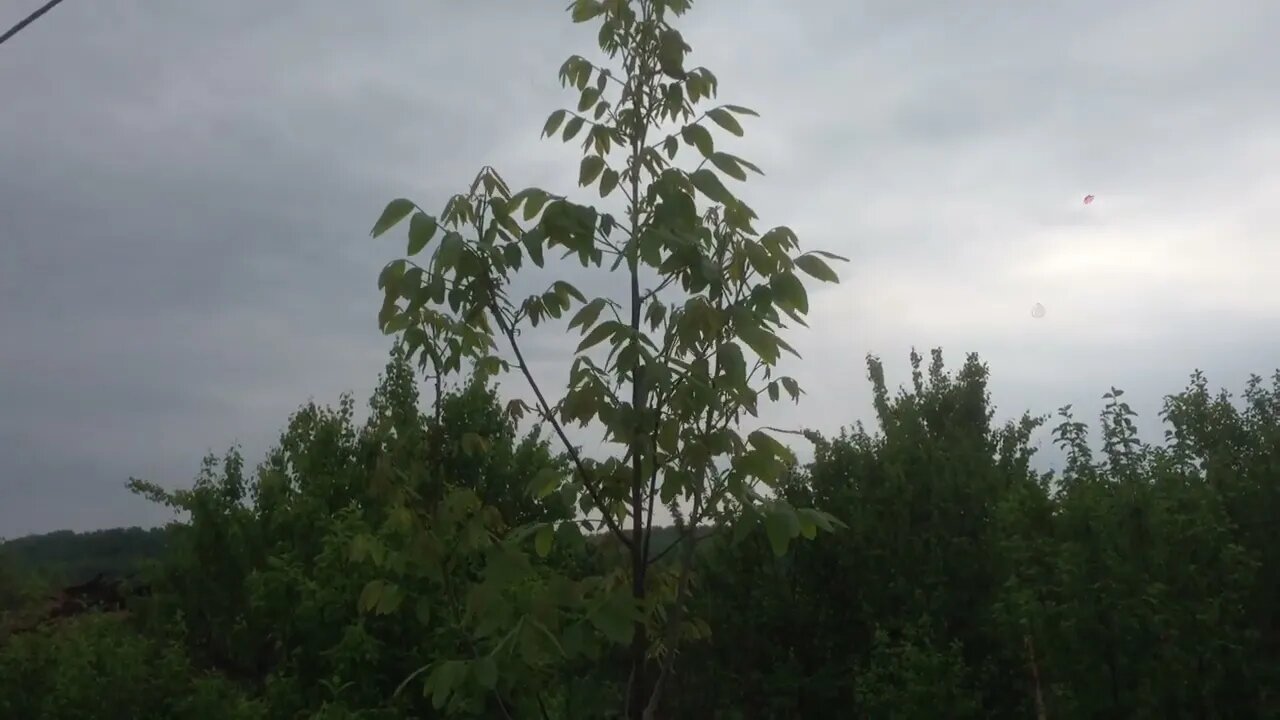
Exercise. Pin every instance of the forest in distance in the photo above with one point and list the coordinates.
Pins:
(457, 555)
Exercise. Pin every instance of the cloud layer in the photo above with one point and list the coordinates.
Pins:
(184, 189)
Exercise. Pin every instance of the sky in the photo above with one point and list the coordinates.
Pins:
(186, 191)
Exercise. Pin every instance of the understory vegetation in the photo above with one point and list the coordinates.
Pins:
(472, 557)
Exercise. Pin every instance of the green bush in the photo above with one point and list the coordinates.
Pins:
(98, 667)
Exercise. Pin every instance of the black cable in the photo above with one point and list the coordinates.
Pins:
(28, 20)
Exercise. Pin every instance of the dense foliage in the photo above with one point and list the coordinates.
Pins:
(1137, 582)
(66, 557)
(446, 562)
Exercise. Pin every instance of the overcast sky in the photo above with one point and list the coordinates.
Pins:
(186, 191)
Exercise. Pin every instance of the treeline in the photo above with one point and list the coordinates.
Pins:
(1140, 581)
(67, 557)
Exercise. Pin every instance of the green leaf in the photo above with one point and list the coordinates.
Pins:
(359, 549)
(505, 565)
(792, 387)
(815, 267)
(746, 164)
(614, 617)
(587, 316)
(732, 363)
(779, 239)
(656, 314)
(699, 137)
(473, 444)
(590, 169)
(584, 10)
(421, 228)
(741, 110)
(511, 256)
(395, 211)
(443, 679)
(808, 528)
(588, 99)
(785, 346)
(370, 596)
(789, 291)
(390, 275)
(781, 525)
(389, 599)
(571, 128)
(708, 184)
(760, 340)
(485, 671)
(608, 182)
(821, 520)
(564, 289)
(450, 250)
(532, 242)
(670, 146)
(722, 118)
(422, 611)
(534, 203)
(728, 165)
(545, 633)
(553, 123)
(597, 335)
(545, 482)
(542, 541)
(776, 529)
(671, 49)
(765, 442)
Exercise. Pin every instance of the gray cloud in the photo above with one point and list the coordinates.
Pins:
(185, 189)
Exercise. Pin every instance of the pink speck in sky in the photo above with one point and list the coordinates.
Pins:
(1088, 199)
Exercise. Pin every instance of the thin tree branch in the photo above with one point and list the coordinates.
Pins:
(1035, 678)
(28, 20)
(502, 706)
(555, 424)
(638, 71)
(673, 630)
(689, 536)
(653, 478)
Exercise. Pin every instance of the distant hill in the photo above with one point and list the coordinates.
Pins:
(67, 557)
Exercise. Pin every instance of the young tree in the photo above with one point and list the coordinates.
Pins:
(295, 579)
(671, 365)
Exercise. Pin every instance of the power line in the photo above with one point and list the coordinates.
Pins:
(28, 20)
